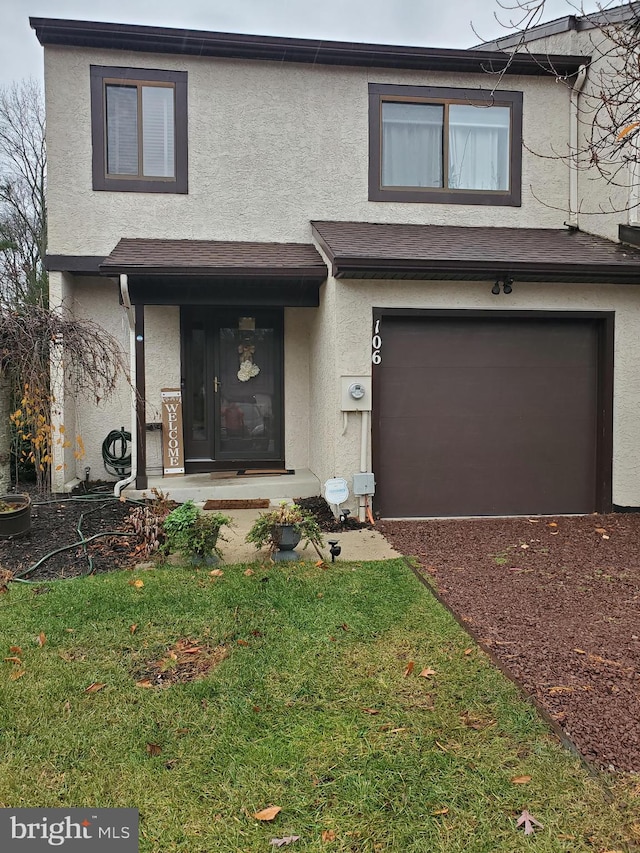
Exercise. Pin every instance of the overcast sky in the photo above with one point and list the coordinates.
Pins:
(431, 23)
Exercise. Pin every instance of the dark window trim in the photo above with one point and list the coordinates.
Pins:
(606, 343)
(379, 92)
(109, 183)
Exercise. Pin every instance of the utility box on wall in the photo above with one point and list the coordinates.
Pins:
(364, 484)
(355, 393)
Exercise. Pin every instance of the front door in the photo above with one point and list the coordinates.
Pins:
(232, 388)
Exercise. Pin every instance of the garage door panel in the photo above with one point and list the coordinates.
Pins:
(495, 417)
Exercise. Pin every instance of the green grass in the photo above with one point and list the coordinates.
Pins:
(283, 720)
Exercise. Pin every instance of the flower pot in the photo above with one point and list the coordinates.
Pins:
(15, 516)
(287, 538)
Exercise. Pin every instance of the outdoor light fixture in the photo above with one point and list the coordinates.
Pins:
(506, 282)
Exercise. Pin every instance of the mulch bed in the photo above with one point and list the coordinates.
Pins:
(54, 524)
(557, 601)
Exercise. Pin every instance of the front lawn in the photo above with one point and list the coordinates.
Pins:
(298, 686)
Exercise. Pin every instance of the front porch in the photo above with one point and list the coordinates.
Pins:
(302, 483)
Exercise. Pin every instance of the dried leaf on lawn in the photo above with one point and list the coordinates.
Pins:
(153, 749)
(216, 573)
(242, 642)
(328, 835)
(372, 711)
(248, 572)
(427, 672)
(15, 650)
(144, 683)
(133, 628)
(94, 687)
(287, 839)
(67, 708)
(13, 660)
(520, 780)
(137, 583)
(16, 675)
(409, 668)
(440, 811)
(529, 822)
(41, 639)
(269, 813)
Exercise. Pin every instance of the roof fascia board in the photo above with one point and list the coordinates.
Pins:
(53, 31)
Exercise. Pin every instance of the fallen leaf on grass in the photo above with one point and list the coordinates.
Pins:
(475, 722)
(328, 835)
(520, 780)
(242, 642)
(216, 573)
(427, 672)
(468, 651)
(138, 584)
(13, 660)
(67, 708)
(529, 822)
(41, 639)
(372, 711)
(269, 813)
(94, 687)
(287, 839)
(409, 668)
(440, 811)
(248, 572)
(16, 675)
(15, 650)
(153, 749)
(144, 683)
(133, 629)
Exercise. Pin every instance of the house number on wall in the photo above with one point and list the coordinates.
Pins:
(376, 344)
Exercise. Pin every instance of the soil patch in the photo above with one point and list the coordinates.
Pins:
(55, 522)
(557, 601)
(187, 660)
(323, 514)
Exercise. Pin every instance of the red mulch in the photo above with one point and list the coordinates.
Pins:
(562, 614)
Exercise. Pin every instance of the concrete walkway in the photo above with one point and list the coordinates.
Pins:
(362, 544)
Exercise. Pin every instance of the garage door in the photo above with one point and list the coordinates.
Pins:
(486, 416)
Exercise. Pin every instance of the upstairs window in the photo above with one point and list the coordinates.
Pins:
(139, 130)
(449, 146)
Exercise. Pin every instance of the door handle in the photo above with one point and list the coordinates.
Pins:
(216, 384)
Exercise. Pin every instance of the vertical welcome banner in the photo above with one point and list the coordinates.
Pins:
(172, 442)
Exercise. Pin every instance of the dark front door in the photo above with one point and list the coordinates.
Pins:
(232, 388)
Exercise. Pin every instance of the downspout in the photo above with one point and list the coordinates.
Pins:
(364, 441)
(578, 83)
(126, 301)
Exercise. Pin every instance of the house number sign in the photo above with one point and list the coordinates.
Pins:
(172, 441)
(376, 344)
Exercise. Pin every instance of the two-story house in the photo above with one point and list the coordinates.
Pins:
(349, 258)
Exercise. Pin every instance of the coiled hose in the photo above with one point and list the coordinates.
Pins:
(116, 452)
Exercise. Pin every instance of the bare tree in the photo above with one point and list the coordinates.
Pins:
(609, 107)
(32, 334)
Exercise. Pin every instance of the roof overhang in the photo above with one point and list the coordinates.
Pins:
(184, 272)
(359, 250)
(133, 37)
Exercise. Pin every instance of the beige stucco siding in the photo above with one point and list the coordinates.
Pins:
(348, 320)
(271, 146)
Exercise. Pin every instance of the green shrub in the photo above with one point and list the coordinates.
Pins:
(194, 533)
(265, 531)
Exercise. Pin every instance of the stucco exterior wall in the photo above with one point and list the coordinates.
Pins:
(271, 146)
(358, 298)
(602, 204)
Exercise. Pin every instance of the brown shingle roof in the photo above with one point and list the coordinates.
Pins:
(215, 258)
(366, 250)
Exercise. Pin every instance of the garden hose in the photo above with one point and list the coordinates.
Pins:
(117, 460)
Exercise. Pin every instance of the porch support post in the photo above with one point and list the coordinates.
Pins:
(141, 444)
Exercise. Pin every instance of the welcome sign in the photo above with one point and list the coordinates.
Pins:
(172, 441)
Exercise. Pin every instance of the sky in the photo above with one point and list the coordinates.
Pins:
(429, 23)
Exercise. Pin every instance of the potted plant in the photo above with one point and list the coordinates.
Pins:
(195, 534)
(281, 529)
(15, 516)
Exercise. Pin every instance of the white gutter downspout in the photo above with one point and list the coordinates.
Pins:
(572, 222)
(364, 442)
(126, 301)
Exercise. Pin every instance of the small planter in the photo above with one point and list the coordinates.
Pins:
(15, 516)
(287, 537)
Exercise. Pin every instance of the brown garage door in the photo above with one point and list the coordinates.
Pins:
(487, 416)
